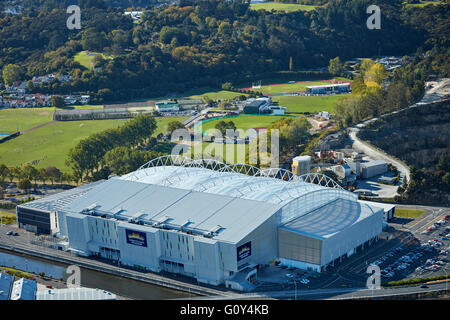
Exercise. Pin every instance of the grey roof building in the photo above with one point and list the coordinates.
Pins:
(210, 220)
(24, 289)
(6, 282)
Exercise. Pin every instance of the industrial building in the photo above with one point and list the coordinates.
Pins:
(216, 222)
(329, 88)
(373, 168)
(75, 294)
(6, 283)
(24, 289)
(301, 165)
(167, 106)
(39, 216)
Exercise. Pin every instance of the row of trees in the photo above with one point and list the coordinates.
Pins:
(87, 157)
(32, 174)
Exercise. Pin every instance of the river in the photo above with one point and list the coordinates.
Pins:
(124, 287)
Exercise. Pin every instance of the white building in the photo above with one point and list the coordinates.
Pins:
(209, 221)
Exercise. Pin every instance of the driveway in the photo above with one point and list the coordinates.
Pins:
(438, 90)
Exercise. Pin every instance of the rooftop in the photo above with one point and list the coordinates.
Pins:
(75, 294)
(61, 199)
(330, 219)
(24, 289)
(6, 282)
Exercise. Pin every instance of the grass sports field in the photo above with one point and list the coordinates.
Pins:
(288, 7)
(408, 213)
(212, 94)
(312, 104)
(243, 122)
(273, 88)
(21, 119)
(49, 145)
(85, 60)
(229, 153)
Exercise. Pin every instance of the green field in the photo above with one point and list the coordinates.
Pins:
(231, 153)
(408, 213)
(49, 145)
(243, 122)
(312, 104)
(288, 87)
(288, 7)
(20, 119)
(422, 4)
(215, 95)
(85, 60)
(7, 217)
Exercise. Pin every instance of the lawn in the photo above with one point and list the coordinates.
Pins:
(288, 7)
(85, 60)
(408, 213)
(49, 145)
(312, 104)
(280, 87)
(227, 153)
(7, 217)
(243, 122)
(215, 95)
(422, 4)
(20, 119)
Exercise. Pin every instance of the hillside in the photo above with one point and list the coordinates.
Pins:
(420, 137)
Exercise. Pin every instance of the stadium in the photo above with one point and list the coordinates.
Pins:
(211, 221)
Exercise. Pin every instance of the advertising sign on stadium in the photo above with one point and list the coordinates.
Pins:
(244, 251)
(136, 238)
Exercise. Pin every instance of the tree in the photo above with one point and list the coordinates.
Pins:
(173, 125)
(53, 173)
(4, 171)
(25, 185)
(11, 73)
(57, 101)
(336, 67)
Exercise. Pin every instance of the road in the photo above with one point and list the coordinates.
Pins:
(440, 90)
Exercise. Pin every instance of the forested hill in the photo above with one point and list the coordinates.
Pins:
(176, 48)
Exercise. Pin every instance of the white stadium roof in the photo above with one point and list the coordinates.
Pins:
(204, 195)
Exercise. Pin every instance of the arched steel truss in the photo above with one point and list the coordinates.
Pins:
(239, 179)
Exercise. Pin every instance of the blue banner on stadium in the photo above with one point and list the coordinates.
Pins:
(136, 238)
(244, 251)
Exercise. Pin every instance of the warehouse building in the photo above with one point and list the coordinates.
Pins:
(6, 283)
(216, 222)
(39, 216)
(24, 289)
(75, 294)
(373, 168)
(328, 89)
(167, 106)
